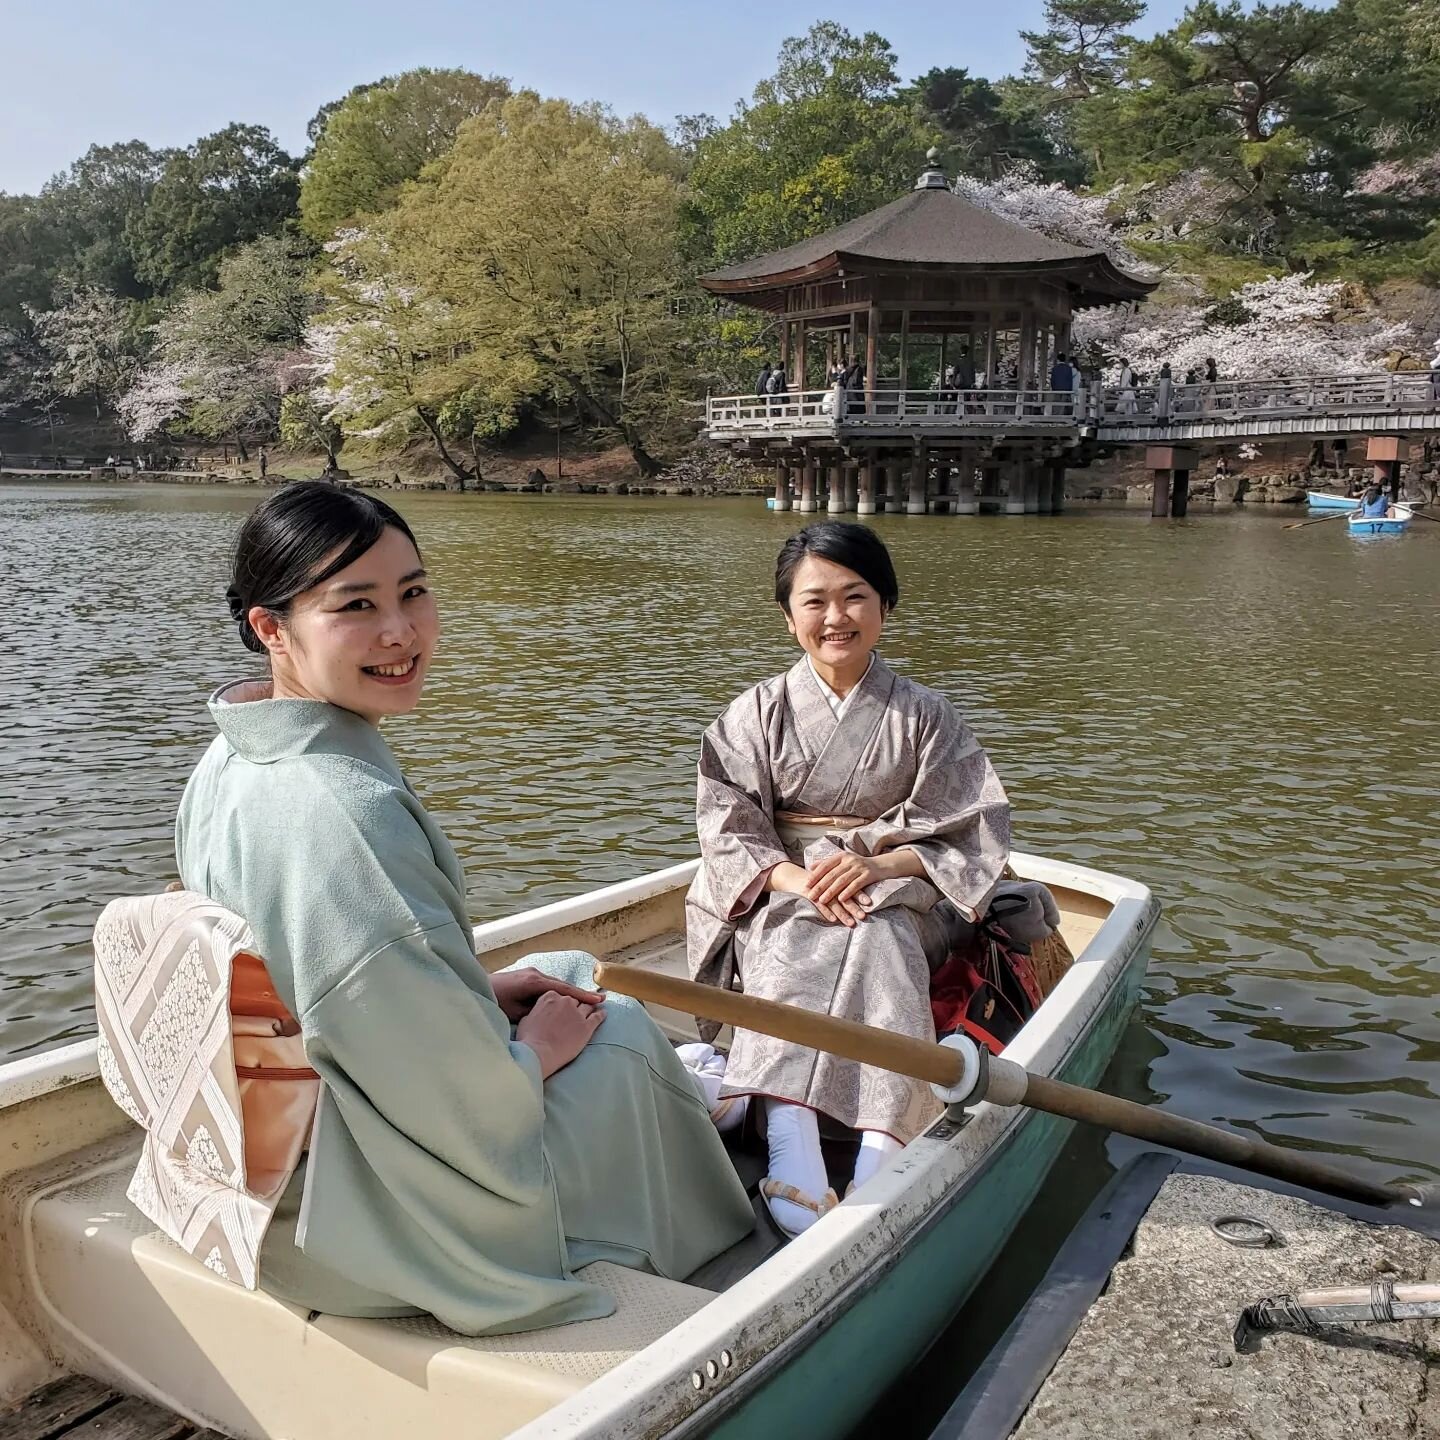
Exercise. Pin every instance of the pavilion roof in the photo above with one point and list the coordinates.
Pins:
(930, 229)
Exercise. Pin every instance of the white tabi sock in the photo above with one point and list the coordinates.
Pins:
(707, 1071)
(795, 1159)
(876, 1147)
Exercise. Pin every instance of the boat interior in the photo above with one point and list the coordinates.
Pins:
(89, 1286)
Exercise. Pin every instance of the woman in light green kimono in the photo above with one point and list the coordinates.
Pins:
(480, 1138)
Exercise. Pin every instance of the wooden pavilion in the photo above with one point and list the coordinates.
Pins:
(956, 315)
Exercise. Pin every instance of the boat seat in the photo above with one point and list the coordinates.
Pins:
(119, 1299)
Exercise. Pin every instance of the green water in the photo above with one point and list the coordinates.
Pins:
(1241, 717)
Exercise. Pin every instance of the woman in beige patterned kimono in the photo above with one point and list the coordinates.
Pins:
(847, 817)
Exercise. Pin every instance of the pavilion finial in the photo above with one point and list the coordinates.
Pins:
(932, 177)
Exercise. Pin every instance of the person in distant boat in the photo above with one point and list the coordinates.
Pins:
(848, 819)
(1375, 504)
(479, 1139)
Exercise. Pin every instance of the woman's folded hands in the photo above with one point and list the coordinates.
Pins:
(836, 884)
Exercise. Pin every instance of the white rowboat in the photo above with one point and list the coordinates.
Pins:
(767, 1340)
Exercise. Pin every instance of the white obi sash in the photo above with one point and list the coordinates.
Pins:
(197, 1048)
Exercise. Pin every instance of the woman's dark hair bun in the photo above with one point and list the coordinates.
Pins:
(240, 616)
(297, 539)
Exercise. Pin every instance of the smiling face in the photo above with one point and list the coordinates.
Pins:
(836, 616)
(361, 640)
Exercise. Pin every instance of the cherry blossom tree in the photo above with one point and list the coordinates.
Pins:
(1091, 221)
(1283, 325)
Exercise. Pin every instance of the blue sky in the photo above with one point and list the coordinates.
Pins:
(83, 71)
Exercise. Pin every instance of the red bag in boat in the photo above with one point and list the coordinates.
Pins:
(987, 989)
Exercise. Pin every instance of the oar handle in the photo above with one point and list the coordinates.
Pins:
(1002, 1082)
(847, 1038)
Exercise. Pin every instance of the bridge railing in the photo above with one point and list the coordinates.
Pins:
(1249, 399)
(889, 408)
(884, 407)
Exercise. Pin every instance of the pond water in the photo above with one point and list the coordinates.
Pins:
(1242, 717)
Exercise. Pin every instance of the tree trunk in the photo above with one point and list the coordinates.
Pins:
(454, 466)
(645, 462)
(241, 452)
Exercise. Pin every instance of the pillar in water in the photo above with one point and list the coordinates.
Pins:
(782, 487)
(865, 498)
(919, 475)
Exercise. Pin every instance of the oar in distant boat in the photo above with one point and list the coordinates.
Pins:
(1338, 515)
(971, 1075)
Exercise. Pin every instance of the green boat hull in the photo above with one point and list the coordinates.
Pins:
(827, 1389)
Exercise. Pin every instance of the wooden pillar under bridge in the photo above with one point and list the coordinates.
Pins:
(1041, 484)
(1057, 487)
(782, 487)
(865, 498)
(836, 502)
(1032, 487)
(806, 505)
(990, 487)
(1179, 493)
(1384, 452)
(1163, 461)
(939, 502)
(1015, 471)
(851, 472)
(919, 478)
(892, 471)
(965, 501)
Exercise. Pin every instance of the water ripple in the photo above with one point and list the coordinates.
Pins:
(1206, 705)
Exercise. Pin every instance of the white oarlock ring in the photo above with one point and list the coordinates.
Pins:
(964, 1087)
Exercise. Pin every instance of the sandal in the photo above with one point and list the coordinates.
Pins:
(778, 1190)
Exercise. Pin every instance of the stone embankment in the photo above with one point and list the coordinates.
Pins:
(1285, 488)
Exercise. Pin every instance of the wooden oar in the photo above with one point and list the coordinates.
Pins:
(1001, 1081)
(1338, 515)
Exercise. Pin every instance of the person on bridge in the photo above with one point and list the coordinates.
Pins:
(847, 817)
(762, 380)
(1061, 381)
(1126, 401)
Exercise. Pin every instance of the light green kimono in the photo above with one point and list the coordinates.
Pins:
(444, 1175)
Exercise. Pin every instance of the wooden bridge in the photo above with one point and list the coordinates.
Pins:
(1143, 415)
(858, 449)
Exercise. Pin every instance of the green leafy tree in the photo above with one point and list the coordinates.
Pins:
(91, 208)
(824, 139)
(306, 421)
(1081, 50)
(982, 133)
(223, 356)
(1073, 68)
(91, 347)
(1281, 104)
(383, 347)
(548, 240)
(382, 135)
(225, 190)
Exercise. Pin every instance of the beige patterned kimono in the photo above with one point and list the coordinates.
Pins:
(901, 761)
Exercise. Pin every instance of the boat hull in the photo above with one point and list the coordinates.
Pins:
(1395, 524)
(1322, 500)
(826, 1390)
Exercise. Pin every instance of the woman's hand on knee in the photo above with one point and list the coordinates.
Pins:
(838, 882)
(516, 991)
(558, 1028)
